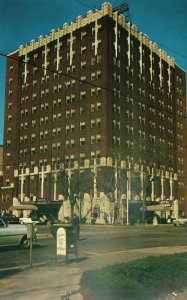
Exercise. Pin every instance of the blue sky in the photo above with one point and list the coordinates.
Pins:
(164, 21)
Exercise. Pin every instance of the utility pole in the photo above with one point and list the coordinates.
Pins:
(152, 186)
(142, 194)
(42, 183)
(22, 182)
(55, 182)
(95, 181)
(162, 185)
(171, 186)
(128, 191)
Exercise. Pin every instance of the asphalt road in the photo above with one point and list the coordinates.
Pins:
(96, 240)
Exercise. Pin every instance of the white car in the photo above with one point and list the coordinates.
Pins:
(180, 222)
(15, 235)
(27, 220)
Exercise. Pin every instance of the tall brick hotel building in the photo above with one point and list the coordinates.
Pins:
(95, 93)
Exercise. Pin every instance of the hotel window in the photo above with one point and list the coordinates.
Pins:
(9, 118)
(96, 60)
(98, 138)
(33, 123)
(82, 155)
(83, 78)
(42, 93)
(35, 56)
(55, 89)
(82, 95)
(83, 65)
(43, 134)
(34, 83)
(9, 105)
(95, 138)
(82, 110)
(8, 155)
(24, 113)
(98, 106)
(44, 107)
(9, 129)
(8, 143)
(98, 74)
(59, 87)
(70, 99)
(83, 34)
(33, 96)
(33, 109)
(82, 125)
(35, 69)
(98, 90)
(93, 91)
(7, 168)
(70, 113)
(10, 80)
(53, 146)
(83, 50)
(11, 68)
(93, 76)
(68, 129)
(152, 138)
(116, 124)
(58, 131)
(41, 121)
(93, 107)
(33, 137)
(57, 117)
(82, 141)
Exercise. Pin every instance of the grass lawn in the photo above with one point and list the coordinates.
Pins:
(149, 278)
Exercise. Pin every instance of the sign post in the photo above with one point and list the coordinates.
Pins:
(30, 237)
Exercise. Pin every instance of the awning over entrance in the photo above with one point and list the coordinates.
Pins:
(24, 207)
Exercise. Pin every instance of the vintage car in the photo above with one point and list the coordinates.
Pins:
(180, 222)
(25, 220)
(9, 218)
(15, 235)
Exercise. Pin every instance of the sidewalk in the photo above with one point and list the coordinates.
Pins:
(48, 281)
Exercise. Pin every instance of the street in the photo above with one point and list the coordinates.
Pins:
(96, 240)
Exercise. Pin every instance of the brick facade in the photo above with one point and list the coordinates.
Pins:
(95, 88)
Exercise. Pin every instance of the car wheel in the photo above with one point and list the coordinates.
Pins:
(25, 243)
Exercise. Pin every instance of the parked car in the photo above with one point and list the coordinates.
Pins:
(180, 222)
(8, 218)
(25, 220)
(15, 235)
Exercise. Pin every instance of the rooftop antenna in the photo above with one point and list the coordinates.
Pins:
(123, 9)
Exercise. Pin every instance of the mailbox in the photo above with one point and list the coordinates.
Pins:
(67, 241)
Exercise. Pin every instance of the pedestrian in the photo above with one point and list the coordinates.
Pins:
(76, 225)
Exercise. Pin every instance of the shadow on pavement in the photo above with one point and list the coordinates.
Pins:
(10, 248)
(73, 260)
(8, 273)
(83, 239)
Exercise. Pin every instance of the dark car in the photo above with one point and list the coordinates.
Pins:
(9, 219)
